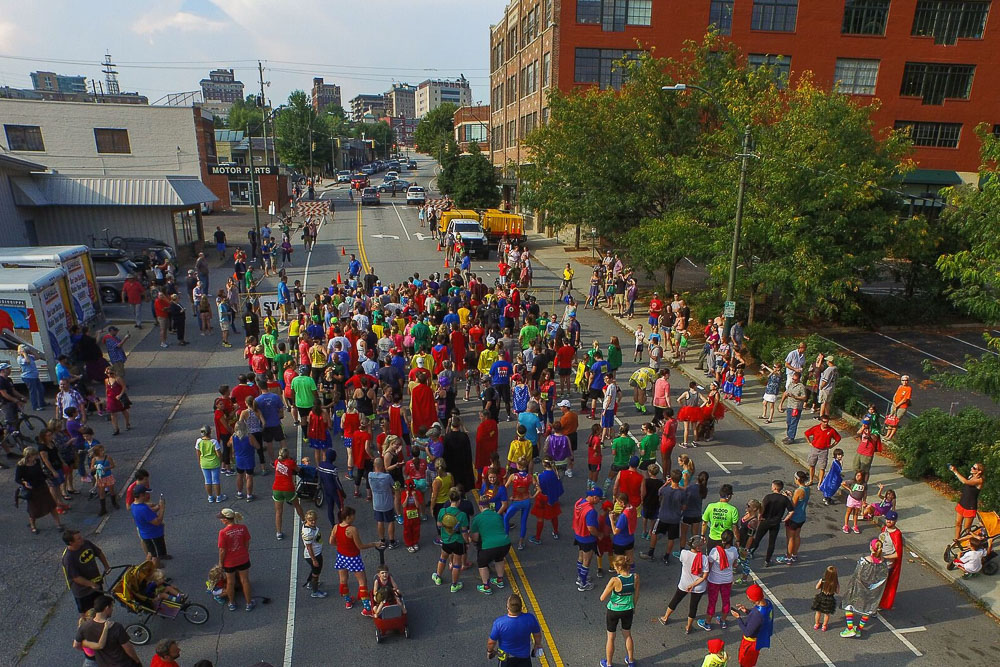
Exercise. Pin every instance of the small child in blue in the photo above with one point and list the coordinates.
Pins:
(738, 382)
(520, 395)
(833, 478)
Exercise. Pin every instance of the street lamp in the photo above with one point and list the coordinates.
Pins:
(740, 197)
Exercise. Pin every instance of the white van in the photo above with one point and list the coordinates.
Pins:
(76, 264)
(35, 310)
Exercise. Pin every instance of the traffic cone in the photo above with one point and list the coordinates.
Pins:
(339, 281)
(343, 250)
(446, 262)
(439, 246)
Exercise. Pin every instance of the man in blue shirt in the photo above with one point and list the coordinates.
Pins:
(315, 329)
(452, 319)
(585, 530)
(500, 373)
(596, 374)
(532, 423)
(515, 637)
(149, 522)
(270, 410)
(284, 296)
(354, 267)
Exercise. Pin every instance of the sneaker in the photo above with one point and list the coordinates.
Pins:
(232, 606)
(600, 573)
(666, 559)
(783, 559)
(348, 602)
(416, 547)
(318, 594)
(393, 544)
(676, 554)
(555, 536)
(227, 345)
(533, 540)
(368, 612)
(848, 632)
(484, 589)
(411, 550)
(605, 663)
(399, 519)
(569, 473)
(846, 529)
(856, 530)
(499, 583)
(457, 586)
(221, 498)
(239, 494)
(165, 346)
(211, 499)
(645, 555)
(520, 546)
(279, 536)
(786, 440)
(589, 586)
(645, 536)
(703, 625)
(251, 497)
(436, 579)
(437, 541)
(722, 622)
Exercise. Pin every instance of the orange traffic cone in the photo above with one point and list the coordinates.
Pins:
(446, 262)
(339, 281)
(439, 246)
(343, 250)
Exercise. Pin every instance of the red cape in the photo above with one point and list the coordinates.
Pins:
(487, 436)
(423, 408)
(889, 593)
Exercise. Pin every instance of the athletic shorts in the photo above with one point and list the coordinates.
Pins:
(794, 525)
(965, 513)
(671, 530)
(246, 471)
(284, 496)
(487, 557)
(825, 395)
(653, 321)
(272, 434)
(454, 548)
(86, 603)
(387, 516)
(608, 419)
(236, 568)
(593, 467)
(586, 547)
(818, 458)
(622, 549)
(211, 475)
(613, 617)
(691, 520)
(155, 546)
(595, 394)
(564, 372)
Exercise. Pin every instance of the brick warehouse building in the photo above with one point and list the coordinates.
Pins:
(933, 64)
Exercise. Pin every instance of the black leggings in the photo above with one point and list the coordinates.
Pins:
(504, 391)
(772, 538)
(315, 570)
(692, 605)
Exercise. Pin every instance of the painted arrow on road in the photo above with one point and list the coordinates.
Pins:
(420, 237)
(385, 236)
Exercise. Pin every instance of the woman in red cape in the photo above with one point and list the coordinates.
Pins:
(423, 408)
(891, 533)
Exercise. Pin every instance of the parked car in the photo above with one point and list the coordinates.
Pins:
(412, 164)
(394, 184)
(390, 176)
(415, 195)
(473, 237)
(112, 267)
(370, 196)
(359, 181)
(344, 176)
(368, 169)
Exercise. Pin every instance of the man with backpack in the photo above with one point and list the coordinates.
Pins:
(585, 531)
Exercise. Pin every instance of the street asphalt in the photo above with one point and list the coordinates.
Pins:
(173, 390)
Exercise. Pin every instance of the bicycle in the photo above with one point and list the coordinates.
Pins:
(26, 430)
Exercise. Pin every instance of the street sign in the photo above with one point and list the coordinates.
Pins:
(242, 170)
(729, 310)
(270, 208)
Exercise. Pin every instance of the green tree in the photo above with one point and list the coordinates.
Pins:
(292, 129)
(473, 183)
(380, 133)
(435, 128)
(974, 268)
(246, 113)
(449, 156)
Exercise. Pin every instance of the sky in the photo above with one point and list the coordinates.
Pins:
(168, 46)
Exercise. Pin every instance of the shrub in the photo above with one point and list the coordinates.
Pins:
(928, 444)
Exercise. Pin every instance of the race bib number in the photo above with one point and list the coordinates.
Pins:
(412, 514)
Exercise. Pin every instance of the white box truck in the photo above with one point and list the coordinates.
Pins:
(76, 264)
(36, 310)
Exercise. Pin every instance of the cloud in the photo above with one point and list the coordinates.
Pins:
(7, 32)
(180, 21)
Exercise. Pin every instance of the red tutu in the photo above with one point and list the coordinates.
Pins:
(543, 510)
(690, 413)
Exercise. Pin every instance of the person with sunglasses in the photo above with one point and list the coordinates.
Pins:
(968, 502)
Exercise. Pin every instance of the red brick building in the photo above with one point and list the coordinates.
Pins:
(472, 125)
(933, 64)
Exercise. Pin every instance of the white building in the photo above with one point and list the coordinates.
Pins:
(433, 93)
(135, 170)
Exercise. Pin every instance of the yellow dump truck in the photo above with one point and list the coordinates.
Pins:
(455, 214)
(498, 224)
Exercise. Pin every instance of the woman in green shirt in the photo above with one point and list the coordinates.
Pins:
(621, 593)
(614, 354)
(209, 459)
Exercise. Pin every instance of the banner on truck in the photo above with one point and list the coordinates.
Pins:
(80, 290)
(56, 313)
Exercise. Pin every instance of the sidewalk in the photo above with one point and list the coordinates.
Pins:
(927, 518)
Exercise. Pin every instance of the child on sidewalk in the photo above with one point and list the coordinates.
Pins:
(833, 478)
(824, 603)
(886, 502)
(101, 467)
(855, 500)
(640, 343)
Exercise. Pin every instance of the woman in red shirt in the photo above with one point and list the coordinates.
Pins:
(347, 540)
(283, 489)
(234, 556)
(668, 438)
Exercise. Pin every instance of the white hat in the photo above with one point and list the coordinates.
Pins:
(904, 377)
(563, 403)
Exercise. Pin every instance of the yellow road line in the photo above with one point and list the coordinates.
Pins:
(515, 565)
(361, 244)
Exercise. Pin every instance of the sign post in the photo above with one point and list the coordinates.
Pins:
(729, 309)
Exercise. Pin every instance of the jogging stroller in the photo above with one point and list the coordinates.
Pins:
(127, 590)
(391, 617)
(987, 528)
(308, 486)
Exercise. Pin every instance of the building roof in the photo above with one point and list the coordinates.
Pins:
(12, 162)
(228, 136)
(58, 190)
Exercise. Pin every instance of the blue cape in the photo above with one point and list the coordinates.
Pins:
(766, 626)
(550, 484)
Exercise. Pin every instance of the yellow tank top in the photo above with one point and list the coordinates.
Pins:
(446, 483)
(318, 357)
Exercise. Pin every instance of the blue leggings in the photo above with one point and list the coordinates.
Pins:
(522, 506)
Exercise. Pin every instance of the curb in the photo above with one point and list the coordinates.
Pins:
(934, 562)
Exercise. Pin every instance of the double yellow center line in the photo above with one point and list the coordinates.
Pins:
(362, 255)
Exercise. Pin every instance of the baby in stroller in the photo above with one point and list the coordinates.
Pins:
(157, 589)
(971, 560)
(308, 481)
(386, 593)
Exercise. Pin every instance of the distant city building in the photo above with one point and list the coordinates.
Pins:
(6, 92)
(220, 90)
(472, 126)
(58, 83)
(433, 93)
(400, 100)
(324, 94)
(372, 106)
(403, 128)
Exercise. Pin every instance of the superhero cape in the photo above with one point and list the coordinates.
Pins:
(766, 626)
(889, 592)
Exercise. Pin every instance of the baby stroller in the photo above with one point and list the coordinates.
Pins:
(987, 529)
(127, 590)
(391, 617)
(308, 486)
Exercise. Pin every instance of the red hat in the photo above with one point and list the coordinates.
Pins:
(755, 593)
(716, 645)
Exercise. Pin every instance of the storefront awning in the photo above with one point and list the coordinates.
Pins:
(938, 177)
(174, 192)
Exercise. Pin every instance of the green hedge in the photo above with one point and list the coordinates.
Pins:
(928, 444)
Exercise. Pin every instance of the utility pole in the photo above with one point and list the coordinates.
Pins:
(263, 108)
(738, 224)
(253, 187)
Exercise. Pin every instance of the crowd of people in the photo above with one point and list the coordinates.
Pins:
(370, 373)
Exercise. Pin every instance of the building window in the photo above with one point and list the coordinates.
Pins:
(529, 79)
(546, 69)
(933, 135)
(950, 20)
(511, 90)
(720, 16)
(111, 140)
(600, 66)
(547, 13)
(854, 76)
(588, 11)
(24, 137)
(512, 42)
(781, 65)
(640, 12)
(935, 82)
(996, 131)
(774, 15)
(545, 118)
(511, 133)
(865, 17)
